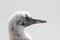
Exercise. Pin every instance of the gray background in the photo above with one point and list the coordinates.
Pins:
(43, 9)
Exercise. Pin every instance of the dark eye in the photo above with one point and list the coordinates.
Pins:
(22, 23)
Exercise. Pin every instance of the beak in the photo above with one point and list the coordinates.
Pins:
(34, 21)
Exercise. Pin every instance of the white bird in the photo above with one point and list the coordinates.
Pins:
(17, 22)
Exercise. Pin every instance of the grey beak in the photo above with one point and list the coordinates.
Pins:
(31, 21)
(38, 21)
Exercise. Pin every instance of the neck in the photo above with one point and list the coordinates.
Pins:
(17, 33)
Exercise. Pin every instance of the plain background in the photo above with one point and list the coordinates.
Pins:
(42, 9)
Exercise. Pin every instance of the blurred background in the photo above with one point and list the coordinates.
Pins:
(48, 10)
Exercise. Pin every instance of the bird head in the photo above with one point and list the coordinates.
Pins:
(23, 18)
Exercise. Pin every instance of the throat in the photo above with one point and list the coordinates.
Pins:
(17, 33)
(21, 32)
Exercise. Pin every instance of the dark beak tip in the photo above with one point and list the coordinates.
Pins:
(43, 21)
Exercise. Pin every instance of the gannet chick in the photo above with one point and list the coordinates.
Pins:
(18, 21)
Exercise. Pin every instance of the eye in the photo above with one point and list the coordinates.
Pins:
(22, 23)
